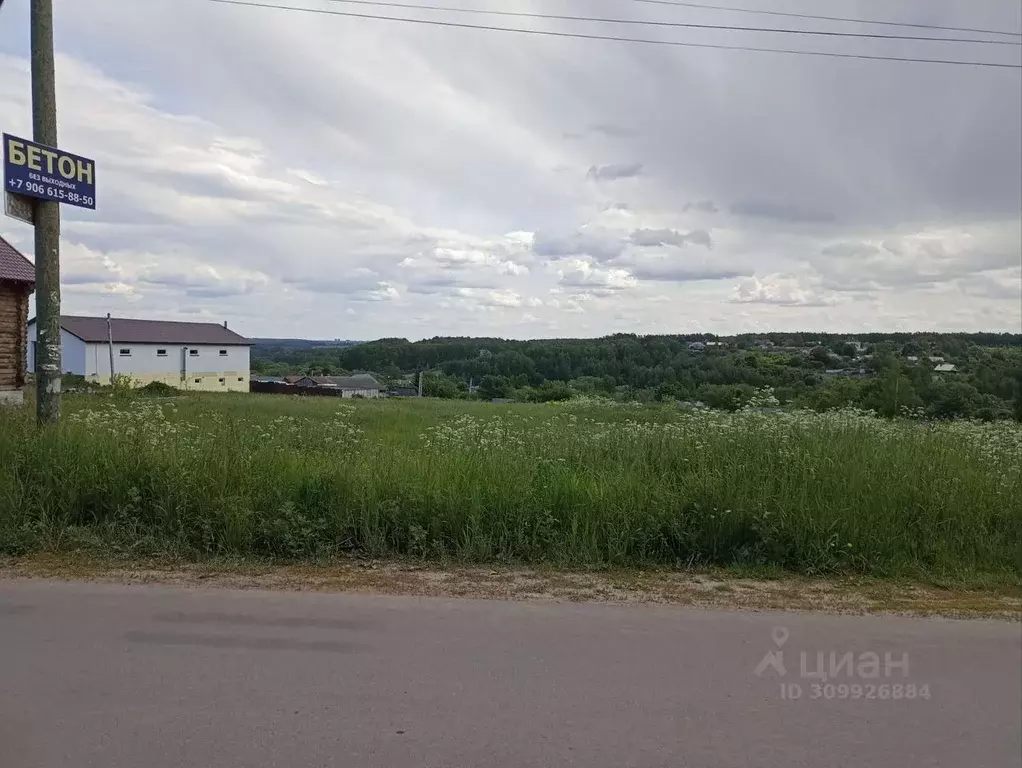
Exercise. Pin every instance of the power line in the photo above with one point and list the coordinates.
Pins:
(793, 15)
(677, 24)
(615, 38)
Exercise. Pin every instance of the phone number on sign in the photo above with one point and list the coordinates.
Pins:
(58, 192)
(856, 692)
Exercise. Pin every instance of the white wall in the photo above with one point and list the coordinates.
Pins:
(360, 393)
(72, 352)
(144, 359)
(145, 364)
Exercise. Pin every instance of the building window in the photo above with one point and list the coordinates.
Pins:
(124, 352)
(222, 381)
(193, 353)
(241, 378)
(198, 381)
(161, 353)
(223, 353)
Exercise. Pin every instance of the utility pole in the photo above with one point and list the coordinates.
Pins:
(420, 383)
(47, 221)
(110, 346)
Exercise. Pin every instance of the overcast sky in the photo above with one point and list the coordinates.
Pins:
(327, 177)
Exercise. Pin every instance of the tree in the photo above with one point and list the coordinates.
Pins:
(951, 399)
(820, 355)
(439, 385)
(493, 387)
(844, 348)
(891, 394)
(550, 391)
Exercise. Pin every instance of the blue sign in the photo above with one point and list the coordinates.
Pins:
(39, 171)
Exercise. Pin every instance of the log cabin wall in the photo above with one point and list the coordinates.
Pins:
(13, 333)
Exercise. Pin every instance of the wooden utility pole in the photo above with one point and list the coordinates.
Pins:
(110, 346)
(47, 222)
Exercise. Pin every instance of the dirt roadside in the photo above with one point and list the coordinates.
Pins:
(717, 590)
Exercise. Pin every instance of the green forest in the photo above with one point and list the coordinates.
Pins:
(934, 375)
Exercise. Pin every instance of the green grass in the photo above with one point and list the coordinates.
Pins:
(278, 477)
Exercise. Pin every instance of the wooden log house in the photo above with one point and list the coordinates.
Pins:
(17, 281)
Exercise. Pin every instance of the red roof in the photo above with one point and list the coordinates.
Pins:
(14, 266)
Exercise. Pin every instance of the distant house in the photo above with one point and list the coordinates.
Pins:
(944, 368)
(292, 378)
(359, 385)
(402, 392)
(17, 281)
(198, 356)
(853, 373)
(696, 346)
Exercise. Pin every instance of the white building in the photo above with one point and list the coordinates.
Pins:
(198, 356)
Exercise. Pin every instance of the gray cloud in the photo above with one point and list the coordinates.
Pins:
(446, 284)
(616, 171)
(784, 212)
(1008, 286)
(602, 247)
(611, 130)
(208, 167)
(683, 273)
(700, 206)
(657, 237)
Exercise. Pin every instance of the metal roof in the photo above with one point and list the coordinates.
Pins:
(130, 331)
(14, 266)
(358, 381)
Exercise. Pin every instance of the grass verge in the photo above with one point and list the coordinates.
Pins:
(721, 589)
(275, 479)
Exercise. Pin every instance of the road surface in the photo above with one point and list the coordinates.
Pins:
(104, 676)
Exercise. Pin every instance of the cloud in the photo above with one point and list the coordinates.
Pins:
(683, 271)
(784, 212)
(899, 261)
(1006, 284)
(581, 273)
(657, 237)
(611, 130)
(782, 290)
(700, 206)
(614, 172)
(284, 167)
(600, 245)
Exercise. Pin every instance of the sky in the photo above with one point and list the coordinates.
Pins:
(317, 176)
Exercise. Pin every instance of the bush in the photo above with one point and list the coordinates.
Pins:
(158, 389)
(72, 382)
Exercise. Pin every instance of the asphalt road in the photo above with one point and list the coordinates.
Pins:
(151, 677)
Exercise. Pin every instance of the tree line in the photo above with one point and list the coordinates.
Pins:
(888, 373)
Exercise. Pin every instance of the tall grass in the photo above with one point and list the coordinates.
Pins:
(278, 477)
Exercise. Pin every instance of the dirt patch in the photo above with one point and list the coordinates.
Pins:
(718, 590)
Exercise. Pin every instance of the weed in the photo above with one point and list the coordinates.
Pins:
(577, 484)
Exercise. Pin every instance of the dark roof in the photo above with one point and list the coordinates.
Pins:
(14, 266)
(129, 331)
(358, 381)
